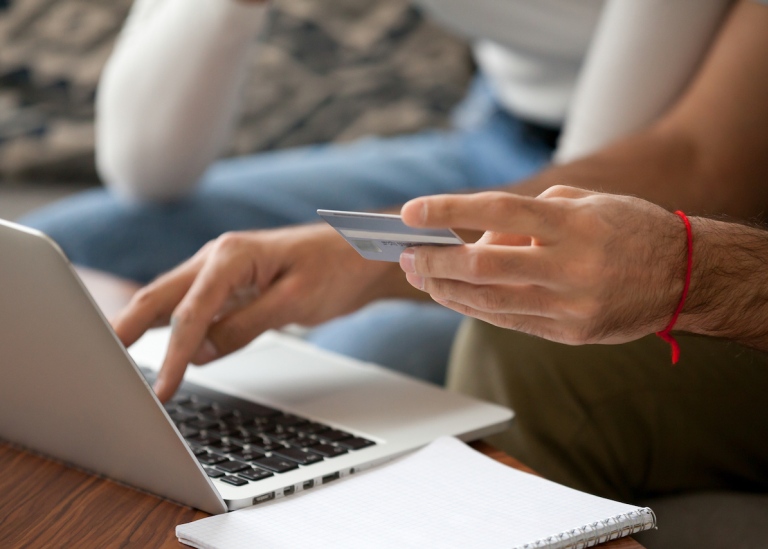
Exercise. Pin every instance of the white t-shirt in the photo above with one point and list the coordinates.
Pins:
(603, 68)
(530, 51)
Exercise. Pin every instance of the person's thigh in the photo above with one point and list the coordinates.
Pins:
(621, 421)
(140, 240)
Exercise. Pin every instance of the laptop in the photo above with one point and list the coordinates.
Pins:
(274, 419)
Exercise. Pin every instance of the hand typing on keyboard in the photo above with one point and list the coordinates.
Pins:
(242, 284)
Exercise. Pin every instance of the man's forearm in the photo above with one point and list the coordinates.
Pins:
(728, 296)
(662, 167)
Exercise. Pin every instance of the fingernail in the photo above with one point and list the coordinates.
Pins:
(205, 353)
(415, 280)
(408, 260)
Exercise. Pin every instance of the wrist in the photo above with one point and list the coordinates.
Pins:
(671, 268)
(666, 334)
(697, 301)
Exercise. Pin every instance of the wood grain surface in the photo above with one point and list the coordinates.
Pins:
(47, 504)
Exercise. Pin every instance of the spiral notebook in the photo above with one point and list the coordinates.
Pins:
(445, 495)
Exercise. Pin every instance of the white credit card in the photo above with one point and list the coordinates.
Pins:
(383, 237)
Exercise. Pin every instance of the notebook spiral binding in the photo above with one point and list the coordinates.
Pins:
(591, 534)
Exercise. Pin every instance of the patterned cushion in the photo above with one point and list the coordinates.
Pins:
(327, 70)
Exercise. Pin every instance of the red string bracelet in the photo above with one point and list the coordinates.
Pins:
(665, 334)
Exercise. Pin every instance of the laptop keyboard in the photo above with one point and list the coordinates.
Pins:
(239, 442)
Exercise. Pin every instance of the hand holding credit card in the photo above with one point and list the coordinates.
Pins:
(383, 237)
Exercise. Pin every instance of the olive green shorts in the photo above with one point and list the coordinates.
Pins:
(621, 421)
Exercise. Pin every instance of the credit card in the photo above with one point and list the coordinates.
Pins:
(383, 237)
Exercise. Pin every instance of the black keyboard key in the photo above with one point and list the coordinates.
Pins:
(232, 466)
(328, 450)
(219, 433)
(356, 443)
(254, 473)
(248, 455)
(233, 422)
(234, 481)
(255, 431)
(272, 428)
(282, 436)
(203, 424)
(266, 445)
(255, 411)
(218, 413)
(188, 432)
(197, 405)
(287, 421)
(299, 456)
(312, 428)
(213, 473)
(276, 464)
(241, 440)
(210, 459)
(261, 425)
(226, 448)
(180, 398)
(197, 450)
(180, 416)
(203, 440)
(301, 441)
(334, 435)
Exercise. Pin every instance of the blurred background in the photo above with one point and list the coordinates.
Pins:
(322, 70)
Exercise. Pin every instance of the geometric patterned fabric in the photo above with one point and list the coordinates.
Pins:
(322, 70)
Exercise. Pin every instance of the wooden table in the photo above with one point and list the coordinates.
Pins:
(46, 504)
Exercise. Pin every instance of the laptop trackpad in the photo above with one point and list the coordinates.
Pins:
(294, 376)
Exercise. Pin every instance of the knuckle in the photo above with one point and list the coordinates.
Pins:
(228, 242)
(184, 315)
(558, 191)
(296, 287)
(551, 192)
(477, 265)
(206, 248)
(145, 298)
(582, 310)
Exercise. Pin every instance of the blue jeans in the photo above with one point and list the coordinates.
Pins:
(485, 148)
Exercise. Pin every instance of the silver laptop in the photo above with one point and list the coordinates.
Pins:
(271, 420)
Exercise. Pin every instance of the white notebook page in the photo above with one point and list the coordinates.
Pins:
(445, 495)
